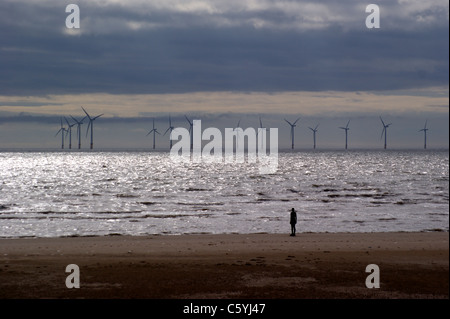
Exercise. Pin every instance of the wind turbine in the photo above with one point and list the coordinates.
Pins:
(292, 130)
(169, 129)
(314, 130)
(425, 133)
(154, 131)
(191, 133)
(384, 131)
(346, 128)
(70, 132)
(91, 125)
(78, 129)
(61, 130)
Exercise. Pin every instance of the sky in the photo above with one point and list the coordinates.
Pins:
(224, 62)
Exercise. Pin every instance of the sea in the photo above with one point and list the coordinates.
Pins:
(105, 193)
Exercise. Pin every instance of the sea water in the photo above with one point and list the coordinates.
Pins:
(54, 194)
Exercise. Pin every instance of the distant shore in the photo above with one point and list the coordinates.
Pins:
(256, 266)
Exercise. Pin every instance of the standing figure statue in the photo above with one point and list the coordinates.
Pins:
(293, 221)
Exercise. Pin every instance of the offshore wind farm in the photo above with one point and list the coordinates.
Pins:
(66, 132)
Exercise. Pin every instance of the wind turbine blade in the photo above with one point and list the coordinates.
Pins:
(97, 116)
(288, 122)
(58, 131)
(311, 128)
(316, 127)
(426, 124)
(382, 121)
(347, 124)
(68, 122)
(296, 121)
(260, 126)
(382, 132)
(87, 130)
(190, 123)
(73, 119)
(166, 131)
(342, 127)
(86, 113)
(239, 122)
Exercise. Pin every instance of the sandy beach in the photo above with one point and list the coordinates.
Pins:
(254, 266)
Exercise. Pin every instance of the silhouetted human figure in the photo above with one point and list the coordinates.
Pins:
(293, 221)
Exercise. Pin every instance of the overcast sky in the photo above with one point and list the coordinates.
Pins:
(225, 61)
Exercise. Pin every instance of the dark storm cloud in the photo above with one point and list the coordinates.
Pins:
(127, 49)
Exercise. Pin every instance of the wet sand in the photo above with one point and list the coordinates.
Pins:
(254, 266)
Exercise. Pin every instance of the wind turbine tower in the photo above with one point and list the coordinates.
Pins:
(70, 132)
(154, 131)
(91, 125)
(314, 130)
(61, 130)
(346, 128)
(425, 133)
(293, 125)
(78, 129)
(384, 131)
(191, 133)
(169, 129)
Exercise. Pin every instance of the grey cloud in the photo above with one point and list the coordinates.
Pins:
(159, 47)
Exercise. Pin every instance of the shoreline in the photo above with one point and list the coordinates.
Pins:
(425, 231)
(245, 266)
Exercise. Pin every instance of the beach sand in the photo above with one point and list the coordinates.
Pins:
(255, 266)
